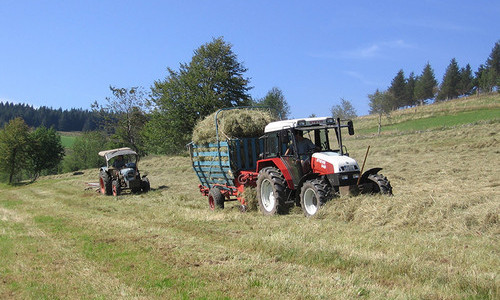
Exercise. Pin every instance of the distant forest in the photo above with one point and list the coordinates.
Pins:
(60, 120)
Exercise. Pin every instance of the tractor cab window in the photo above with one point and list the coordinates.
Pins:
(271, 145)
(321, 139)
(119, 162)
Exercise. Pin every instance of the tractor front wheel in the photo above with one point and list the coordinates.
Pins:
(380, 184)
(314, 193)
(215, 199)
(117, 189)
(271, 194)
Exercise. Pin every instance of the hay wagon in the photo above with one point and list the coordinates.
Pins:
(225, 167)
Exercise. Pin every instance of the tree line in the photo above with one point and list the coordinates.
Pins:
(420, 89)
(61, 120)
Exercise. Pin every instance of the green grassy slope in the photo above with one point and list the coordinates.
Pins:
(436, 238)
(473, 109)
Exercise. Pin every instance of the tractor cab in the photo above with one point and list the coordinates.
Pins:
(303, 145)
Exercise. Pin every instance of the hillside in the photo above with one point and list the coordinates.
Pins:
(438, 237)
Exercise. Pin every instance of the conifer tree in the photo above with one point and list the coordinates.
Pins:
(493, 61)
(450, 86)
(276, 100)
(398, 90)
(410, 90)
(466, 81)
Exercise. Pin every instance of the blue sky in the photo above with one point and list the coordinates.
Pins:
(67, 53)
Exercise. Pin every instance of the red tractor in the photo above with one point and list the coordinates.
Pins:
(291, 164)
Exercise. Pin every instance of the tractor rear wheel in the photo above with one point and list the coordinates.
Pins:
(380, 184)
(215, 199)
(314, 193)
(271, 194)
(117, 189)
(105, 183)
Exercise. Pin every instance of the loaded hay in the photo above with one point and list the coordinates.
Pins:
(236, 123)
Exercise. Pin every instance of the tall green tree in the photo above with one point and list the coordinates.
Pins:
(410, 90)
(45, 151)
(493, 61)
(450, 86)
(466, 81)
(14, 143)
(426, 85)
(345, 110)
(213, 79)
(491, 75)
(398, 89)
(381, 103)
(276, 100)
(123, 116)
(487, 80)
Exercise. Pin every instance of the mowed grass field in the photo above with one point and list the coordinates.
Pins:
(438, 237)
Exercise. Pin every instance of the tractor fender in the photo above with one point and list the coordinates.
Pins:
(369, 172)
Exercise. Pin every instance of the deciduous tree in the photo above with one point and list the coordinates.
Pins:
(123, 116)
(84, 154)
(344, 110)
(213, 79)
(14, 142)
(381, 103)
(45, 151)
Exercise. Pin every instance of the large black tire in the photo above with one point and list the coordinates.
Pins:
(105, 183)
(271, 195)
(313, 194)
(215, 199)
(145, 185)
(117, 189)
(380, 184)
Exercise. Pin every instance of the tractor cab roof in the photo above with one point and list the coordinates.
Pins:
(303, 124)
(109, 154)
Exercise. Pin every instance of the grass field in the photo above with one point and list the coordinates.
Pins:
(68, 138)
(438, 237)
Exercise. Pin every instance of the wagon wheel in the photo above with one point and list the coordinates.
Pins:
(215, 198)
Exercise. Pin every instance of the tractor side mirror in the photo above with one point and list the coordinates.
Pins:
(350, 127)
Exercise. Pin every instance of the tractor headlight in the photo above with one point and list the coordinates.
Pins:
(355, 176)
(344, 177)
